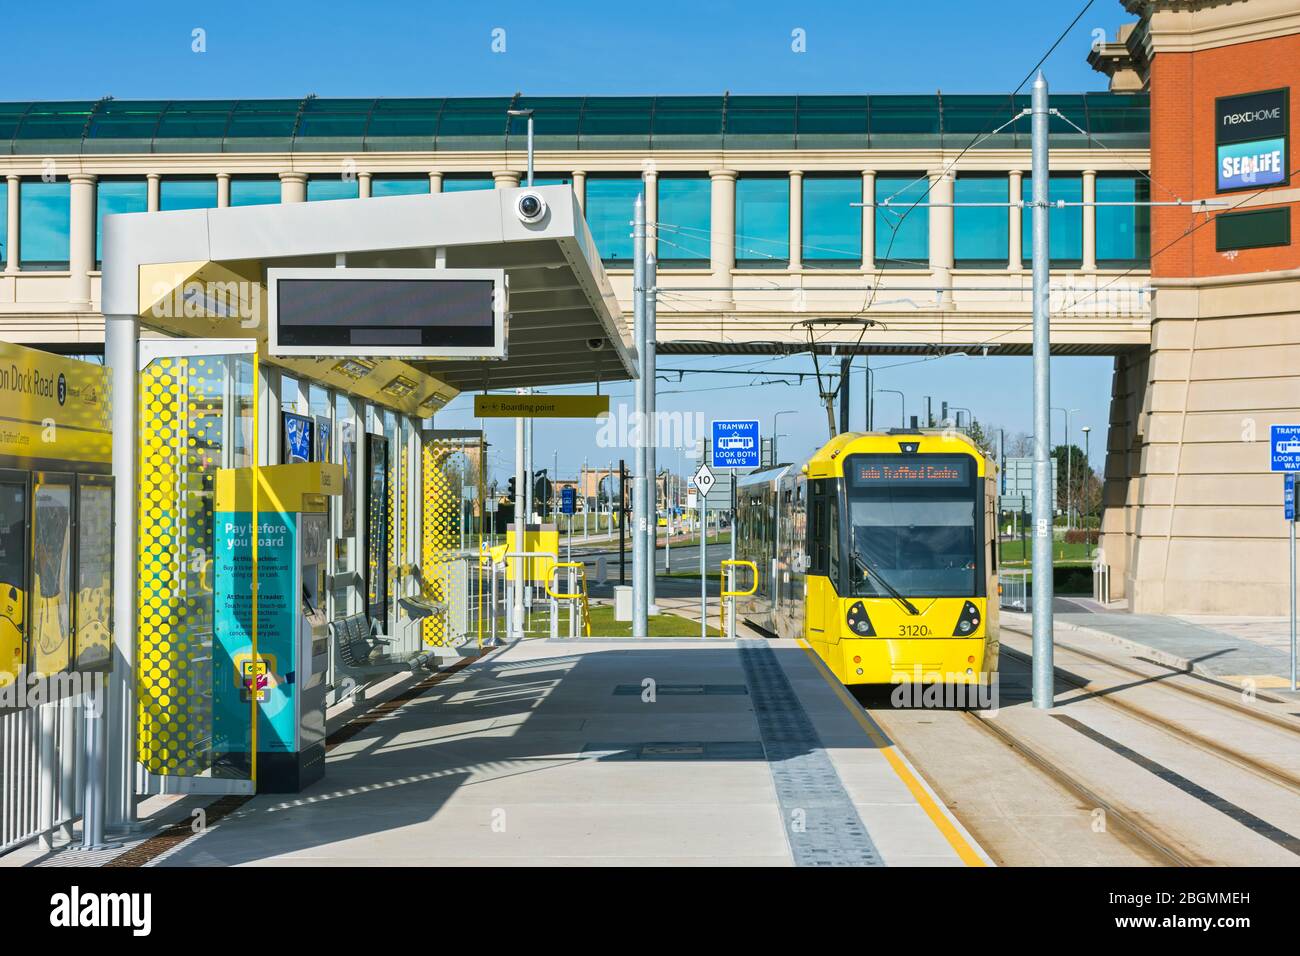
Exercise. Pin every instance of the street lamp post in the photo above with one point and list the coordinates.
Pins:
(785, 411)
(1069, 447)
(1087, 453)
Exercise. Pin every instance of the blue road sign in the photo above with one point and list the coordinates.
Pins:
(568, 501)
(1288, 497)
(1285, 443)
(735, 444)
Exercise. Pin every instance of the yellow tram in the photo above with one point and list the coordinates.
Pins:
(881, 551)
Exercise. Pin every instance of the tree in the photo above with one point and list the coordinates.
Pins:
(983, 439)
(1074, 476)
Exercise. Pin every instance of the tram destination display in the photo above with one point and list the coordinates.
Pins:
(406, 313)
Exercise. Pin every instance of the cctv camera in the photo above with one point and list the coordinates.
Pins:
(530, 208)
(595, 345)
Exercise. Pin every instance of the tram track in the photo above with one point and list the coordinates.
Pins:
(1138, 828)
(1244, 761)
(1170, 681)
(1130, 817)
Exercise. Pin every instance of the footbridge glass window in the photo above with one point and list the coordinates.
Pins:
(1123, 232)
(763, 221)
(117, 196)
(463, 183)
(609, 215)
(399, 185)
(324, 188)
(1065, 223)
(4, 222)
(902, 229)
(44, 216)
(832, 225)
(176, 193)
(685, 220)
(980, 233)
(254, 190)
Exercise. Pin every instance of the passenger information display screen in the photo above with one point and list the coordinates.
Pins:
(865, 471)
(411, 313)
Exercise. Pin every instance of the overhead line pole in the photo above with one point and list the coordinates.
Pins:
(1043, 585)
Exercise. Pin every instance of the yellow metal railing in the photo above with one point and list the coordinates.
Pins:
(722, 588)
(578, 596)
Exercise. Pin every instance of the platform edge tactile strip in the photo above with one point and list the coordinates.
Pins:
(821, 823)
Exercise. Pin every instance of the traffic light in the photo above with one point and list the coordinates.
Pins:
(510, 489)
(541, 492)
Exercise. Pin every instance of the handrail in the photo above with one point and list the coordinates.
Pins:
(724, 593)
(551, 577)
(722, 574)
(581, 595)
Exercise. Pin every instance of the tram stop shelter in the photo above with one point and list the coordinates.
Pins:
(197, 391)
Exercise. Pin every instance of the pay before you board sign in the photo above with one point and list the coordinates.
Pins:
(1252, 140)
(233, 668)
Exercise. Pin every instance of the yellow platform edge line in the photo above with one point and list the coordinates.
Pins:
(961, 846)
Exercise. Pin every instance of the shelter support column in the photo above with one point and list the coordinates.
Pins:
(435, 183)
(223, 190)
(363, 185)
(505, 179)
(121, 354)
(153, 201)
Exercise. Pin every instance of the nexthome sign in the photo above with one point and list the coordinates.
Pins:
(1251, 139)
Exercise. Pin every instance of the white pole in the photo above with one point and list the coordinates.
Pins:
(516, 630)
(121, 354)
(652, 463)
(640, 495)
(1295, 503)
(1043, 682)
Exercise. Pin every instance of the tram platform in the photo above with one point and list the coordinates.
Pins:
(605, 751)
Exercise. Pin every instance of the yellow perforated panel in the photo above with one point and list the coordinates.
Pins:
(440, 533)
(180, 450)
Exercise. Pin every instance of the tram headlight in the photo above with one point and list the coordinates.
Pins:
(968, 622)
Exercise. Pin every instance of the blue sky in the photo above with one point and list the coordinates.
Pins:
(143, 51)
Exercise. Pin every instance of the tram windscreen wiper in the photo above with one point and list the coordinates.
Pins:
(869, 568)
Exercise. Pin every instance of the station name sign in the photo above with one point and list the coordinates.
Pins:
(1252, 139)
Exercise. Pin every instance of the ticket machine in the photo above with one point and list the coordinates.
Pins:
(285, 677)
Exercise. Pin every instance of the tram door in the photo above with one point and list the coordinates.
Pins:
(196, 414)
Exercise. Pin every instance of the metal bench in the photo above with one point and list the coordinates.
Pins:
(359, 654)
